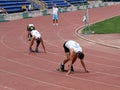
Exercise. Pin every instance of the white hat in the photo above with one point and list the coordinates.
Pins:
(31, 25)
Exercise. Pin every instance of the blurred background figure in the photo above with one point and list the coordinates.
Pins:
(3, 11)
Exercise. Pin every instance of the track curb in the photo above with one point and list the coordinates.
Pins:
(82, 36)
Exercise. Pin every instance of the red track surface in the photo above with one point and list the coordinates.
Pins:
(21, 70)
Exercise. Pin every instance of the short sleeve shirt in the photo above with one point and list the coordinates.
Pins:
(72, 44)
(36, 34)
(55, 10)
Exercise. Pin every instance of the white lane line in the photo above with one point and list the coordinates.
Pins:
(46, 70)
(6, 87)
(36, 80)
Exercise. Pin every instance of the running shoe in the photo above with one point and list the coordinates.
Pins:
(72, 69)
(36, 50)
(62, 67)
(30, 49)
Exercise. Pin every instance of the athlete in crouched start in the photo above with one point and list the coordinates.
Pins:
(34, 35)
(73, 51)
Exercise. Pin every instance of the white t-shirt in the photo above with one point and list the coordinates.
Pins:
(55, 11)
(72, 44)
(30, 7)
(36, 34)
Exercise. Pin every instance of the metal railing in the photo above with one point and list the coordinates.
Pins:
(42, 5)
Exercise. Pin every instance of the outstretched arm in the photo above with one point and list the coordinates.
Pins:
(83, 64)
(72, 57)
(43, 44)
(28, 36)
(32, 41)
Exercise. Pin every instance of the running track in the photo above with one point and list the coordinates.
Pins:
(21, 70)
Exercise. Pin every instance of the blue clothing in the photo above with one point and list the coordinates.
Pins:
(55, 17)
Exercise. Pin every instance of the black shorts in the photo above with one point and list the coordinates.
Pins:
(65, 48)
(30, 35)
(38, 40)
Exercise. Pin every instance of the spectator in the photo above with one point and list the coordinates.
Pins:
(3, 11)
(55, 15)
(30, 7)
(24, 8)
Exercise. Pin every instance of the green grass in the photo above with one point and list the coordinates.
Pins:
(108, 26)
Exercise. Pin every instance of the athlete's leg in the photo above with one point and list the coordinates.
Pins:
(31, 44)
(37, 45)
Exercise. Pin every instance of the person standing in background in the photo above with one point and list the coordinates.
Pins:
(55, 15)
(30, 7)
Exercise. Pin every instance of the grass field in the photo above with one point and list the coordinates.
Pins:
(108, 26)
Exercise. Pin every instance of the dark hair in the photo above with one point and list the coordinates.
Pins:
(81, 55)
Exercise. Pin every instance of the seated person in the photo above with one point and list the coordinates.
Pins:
(3, 11)
(24, 8)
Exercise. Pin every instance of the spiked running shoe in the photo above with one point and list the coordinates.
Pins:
(30, 49)
(36, 50)
(62, 68)
(72, 69)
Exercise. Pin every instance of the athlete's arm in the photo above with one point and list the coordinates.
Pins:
(72, 54)
(32, 40)
(28, 36)
(83, 64)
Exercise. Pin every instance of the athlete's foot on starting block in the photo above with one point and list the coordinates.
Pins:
(61, 68)
(30, 49)
(36, 50)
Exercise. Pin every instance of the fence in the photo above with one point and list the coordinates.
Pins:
(27, 14)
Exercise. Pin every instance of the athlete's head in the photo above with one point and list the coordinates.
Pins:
(81, 55)
(30, 27)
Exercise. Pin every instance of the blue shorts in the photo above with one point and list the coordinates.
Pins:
(55, 17)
